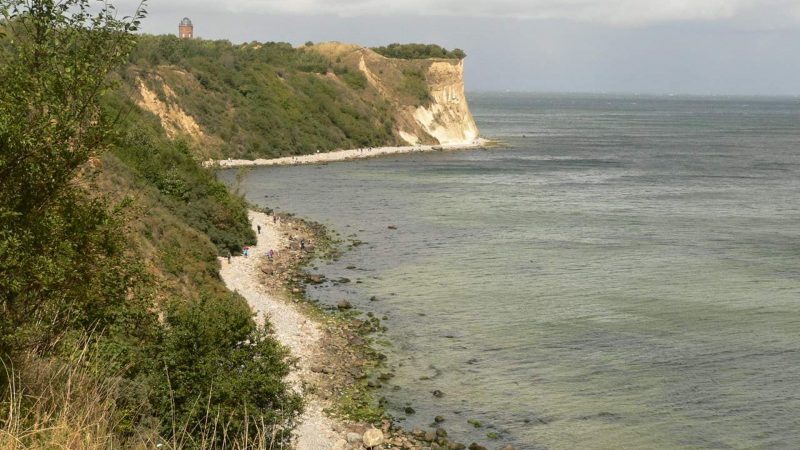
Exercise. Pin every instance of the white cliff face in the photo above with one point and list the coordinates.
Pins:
(447, 118)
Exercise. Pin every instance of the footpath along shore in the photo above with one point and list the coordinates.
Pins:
(343, 155)
(292, 328)
(328, 353)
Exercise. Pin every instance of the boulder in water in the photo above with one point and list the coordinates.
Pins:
(344, 304)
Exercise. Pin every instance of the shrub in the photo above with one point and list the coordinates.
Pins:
(212, 358)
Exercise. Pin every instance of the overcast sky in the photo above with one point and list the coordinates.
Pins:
(631, 46)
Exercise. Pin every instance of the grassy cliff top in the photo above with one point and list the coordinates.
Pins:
(419, 51)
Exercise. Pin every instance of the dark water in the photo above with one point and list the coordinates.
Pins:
(626, 275)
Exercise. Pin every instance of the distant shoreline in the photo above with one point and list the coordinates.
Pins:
(343, 155)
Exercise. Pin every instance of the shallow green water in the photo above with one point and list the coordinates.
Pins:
(626, 275)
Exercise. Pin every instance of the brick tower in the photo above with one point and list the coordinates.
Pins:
(185, 29)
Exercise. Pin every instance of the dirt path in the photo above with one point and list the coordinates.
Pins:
(293, 329)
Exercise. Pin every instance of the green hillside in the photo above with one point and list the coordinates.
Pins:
(270, 99)
(116, 330)
(258, 100)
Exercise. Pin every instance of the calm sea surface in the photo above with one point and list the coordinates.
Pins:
(626, 274)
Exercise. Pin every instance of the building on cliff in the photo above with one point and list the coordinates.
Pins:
(185, 29)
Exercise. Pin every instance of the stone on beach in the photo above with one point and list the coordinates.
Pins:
(373, 437)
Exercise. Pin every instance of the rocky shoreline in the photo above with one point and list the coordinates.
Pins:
(335, 367)
(345, 155)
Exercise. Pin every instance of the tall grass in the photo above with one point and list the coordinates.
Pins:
(51, 403)
(62, 404)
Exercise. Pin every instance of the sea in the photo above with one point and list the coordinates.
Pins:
(621, 272)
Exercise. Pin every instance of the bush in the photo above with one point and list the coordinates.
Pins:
(60, 253)
(212, 359)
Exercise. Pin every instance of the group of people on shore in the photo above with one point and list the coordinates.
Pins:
(270, 254)
(246, 249)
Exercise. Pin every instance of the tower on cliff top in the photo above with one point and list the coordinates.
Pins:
(185, 29)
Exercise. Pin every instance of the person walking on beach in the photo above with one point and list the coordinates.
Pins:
(229, 256)
(270, 254)
(258, 227)
(274, 218)
(302, 244)
(245, 251)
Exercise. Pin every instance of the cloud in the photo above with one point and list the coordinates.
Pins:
(613, 12)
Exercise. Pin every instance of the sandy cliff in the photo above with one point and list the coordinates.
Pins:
(443, 118)
(447, 117)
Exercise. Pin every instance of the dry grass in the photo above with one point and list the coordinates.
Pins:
(56, 404)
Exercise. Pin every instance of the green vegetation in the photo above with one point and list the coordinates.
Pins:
(115, 325)
(475, 423)
(186, 189)
(415, 86)
(356, 80)
(357, 403)
(52, 234)
(419, 51)
(262, 99)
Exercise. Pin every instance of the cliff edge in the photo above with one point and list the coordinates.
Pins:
(435, 111)
(271, 100)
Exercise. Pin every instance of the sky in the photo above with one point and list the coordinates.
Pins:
(702, 47)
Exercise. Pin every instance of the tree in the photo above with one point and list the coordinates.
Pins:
(57, 246)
